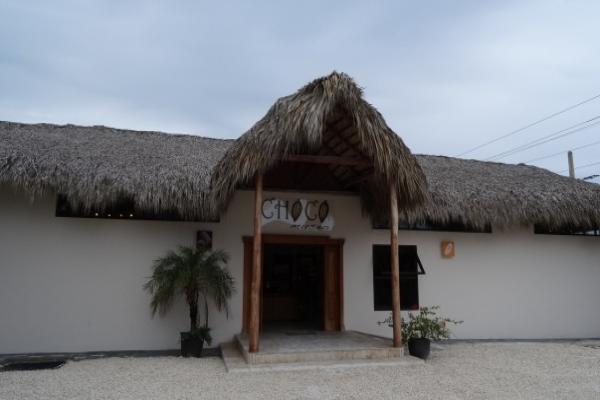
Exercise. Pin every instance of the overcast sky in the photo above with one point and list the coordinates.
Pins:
(446, 75)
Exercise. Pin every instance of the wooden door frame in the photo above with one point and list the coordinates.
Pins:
(305, 240)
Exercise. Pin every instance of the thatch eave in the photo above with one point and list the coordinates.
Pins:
(176, 172)
(503, 195)
(95, 166)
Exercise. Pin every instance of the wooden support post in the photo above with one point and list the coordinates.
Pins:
(395, 266)
(333, 160)
(254, 323)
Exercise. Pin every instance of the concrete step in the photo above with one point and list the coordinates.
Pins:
(318, 347)
(235, 362)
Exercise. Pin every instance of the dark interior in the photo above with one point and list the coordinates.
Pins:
(292, 287)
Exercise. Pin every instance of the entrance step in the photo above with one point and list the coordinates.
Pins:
(317, 347)
(235, 362)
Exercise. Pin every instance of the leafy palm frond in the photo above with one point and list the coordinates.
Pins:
(191, 273)
(219, 283)
(163, 283)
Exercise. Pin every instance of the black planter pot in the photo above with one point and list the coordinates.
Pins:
(419, 347)
(191, 346)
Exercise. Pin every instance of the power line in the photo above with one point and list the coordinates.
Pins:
(563, 152)
(580, 167)
(539, 121)
(545, 139)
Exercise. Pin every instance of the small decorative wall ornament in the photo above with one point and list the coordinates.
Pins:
(204, 240)
(296, 210)
(323, 211)
(448, 249)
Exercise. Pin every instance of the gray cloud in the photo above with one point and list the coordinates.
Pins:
(446, 75)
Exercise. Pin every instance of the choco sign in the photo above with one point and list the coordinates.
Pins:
(299, 214)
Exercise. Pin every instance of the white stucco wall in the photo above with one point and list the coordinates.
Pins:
(70, 284)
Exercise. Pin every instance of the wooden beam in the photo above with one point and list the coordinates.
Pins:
(335, 168)
(395, 266)
(331, 283)
(340, 134)
(297, 239)
(347, 147)
(335, 122)
(332, 160)
(360, 178)
(341, 124)
(347, 141)
(307, 171)
(343, 140)
(254, 323)
(247, 285)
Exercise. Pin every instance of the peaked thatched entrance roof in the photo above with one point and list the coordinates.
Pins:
(326, 117)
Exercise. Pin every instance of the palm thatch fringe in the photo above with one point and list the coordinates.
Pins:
(480, 193)
(97, 166)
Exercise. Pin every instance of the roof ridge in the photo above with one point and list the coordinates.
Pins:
(106, 127)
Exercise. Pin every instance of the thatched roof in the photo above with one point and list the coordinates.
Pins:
(480, 193)
(196, 176)
(163, 172)
(97, 165)
(328, 116)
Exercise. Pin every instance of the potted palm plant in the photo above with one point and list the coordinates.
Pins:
(421, 328)
(199, 275)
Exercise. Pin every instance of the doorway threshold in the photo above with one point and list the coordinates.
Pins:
(318, 347)
(236, 363)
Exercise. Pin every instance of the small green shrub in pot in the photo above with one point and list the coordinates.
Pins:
(421, 328)
(198, 275)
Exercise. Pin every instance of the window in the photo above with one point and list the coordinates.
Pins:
(567, 230)
(450, 226)
(124, 208)
(410, 269)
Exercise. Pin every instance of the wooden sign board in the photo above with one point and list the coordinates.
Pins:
(298, 214)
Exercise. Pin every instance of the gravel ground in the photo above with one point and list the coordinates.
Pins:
(456, 371)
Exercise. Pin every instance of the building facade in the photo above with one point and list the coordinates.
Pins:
(75, 284)
(306, 204)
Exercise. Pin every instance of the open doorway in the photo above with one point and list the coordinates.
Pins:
(293, 287)
(301, 284)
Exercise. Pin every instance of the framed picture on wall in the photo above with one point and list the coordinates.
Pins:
(204, 240)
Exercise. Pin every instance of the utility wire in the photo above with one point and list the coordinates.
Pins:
(545, 139)
(539, 121)
(580, 167)
(563, 152)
